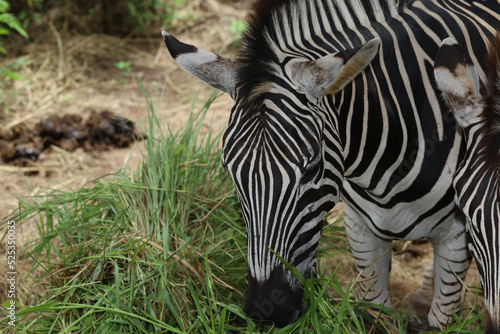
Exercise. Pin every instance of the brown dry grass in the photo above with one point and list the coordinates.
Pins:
(69, 72)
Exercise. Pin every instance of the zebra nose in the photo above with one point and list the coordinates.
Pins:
(266, 313)
(273, 301)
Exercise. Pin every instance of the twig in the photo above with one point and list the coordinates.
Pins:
(28, 169)
(60, 65)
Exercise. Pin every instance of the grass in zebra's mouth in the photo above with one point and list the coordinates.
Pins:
(163, 249)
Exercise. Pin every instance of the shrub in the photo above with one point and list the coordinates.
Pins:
(8, 22)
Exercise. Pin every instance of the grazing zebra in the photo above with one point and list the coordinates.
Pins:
(337, 95)
(477, 179)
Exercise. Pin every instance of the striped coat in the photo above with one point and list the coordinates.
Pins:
(477, 180)
(337, 96)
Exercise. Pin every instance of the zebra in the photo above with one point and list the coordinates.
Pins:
(477, 179)
(336, 96)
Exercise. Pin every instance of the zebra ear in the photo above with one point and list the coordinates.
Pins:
(458, 81)
(331, 73)
(219, 72)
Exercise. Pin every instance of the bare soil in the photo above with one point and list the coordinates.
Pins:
(72, 78)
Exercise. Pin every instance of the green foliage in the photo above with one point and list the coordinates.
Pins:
(8, 22)
(9, 71)
(124, 67)
(117, 17)
(130, 253)
(8, 74)
(145, 13)
(31, 10)
(237, 27)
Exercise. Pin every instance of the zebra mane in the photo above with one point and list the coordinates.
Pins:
(350, 13)
(271, 23)
(490, 143)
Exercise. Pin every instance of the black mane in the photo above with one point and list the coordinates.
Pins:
(489, 146)
(256, 52)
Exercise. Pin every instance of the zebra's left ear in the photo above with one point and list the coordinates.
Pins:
(331, 73)
(458, 81)
(217, 71)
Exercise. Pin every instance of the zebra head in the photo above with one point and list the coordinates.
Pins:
(284, 155)
(477, 180)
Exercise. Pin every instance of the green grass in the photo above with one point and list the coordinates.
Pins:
(163, 250)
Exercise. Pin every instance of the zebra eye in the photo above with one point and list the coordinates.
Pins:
(311, 171)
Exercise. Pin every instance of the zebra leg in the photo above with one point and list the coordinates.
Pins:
(451, 262)
(372, 256)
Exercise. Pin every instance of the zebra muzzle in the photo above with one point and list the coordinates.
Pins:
(273, 301)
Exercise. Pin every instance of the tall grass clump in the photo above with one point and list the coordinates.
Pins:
(139, 252)
(163, 250)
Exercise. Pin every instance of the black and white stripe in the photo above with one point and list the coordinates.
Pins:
(477, 179)
(308, 123)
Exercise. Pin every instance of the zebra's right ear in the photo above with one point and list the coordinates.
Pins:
(458, 81)
(331, 73)
(219, 72)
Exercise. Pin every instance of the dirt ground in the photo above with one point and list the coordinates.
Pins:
(90, 82)
(75, 75)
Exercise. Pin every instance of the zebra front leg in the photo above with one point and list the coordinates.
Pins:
(451, 262)
(373, 259)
